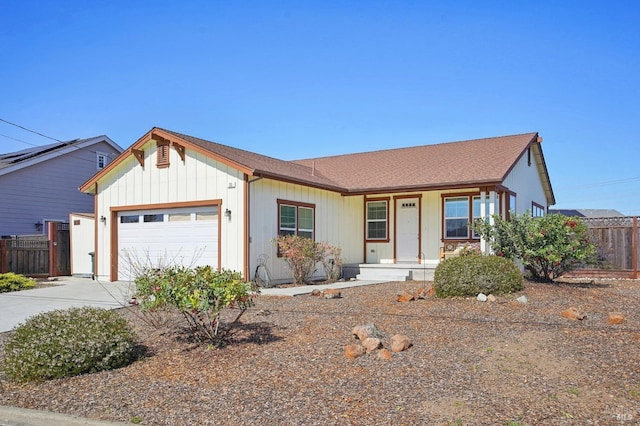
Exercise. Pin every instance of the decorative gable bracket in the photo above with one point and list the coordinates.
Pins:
(139, 154)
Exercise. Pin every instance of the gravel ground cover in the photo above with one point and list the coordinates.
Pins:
(471, 363)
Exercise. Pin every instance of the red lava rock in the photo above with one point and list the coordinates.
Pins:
(371, 344)
(354, 351)
(405, 296)
(615, 318)
(384, 354)
(332, 294)
(573, 314)
(400, 343)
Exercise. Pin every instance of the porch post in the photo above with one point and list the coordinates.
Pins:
(492, 210)
(483, 210)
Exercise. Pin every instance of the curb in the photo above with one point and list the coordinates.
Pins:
(13, 416)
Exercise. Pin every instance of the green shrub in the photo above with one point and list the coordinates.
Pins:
(65, 343)
(547, 246)
(14, 282)
(200, 294)
(470, 275)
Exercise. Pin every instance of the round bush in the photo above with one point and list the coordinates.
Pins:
(471, 275)
(65, 343)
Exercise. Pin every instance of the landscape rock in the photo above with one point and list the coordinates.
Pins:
(405, 296)
(522, 299)
(400, 343)
(573, 314)
(481, 297)
(316, 293)
(491, 298)
(363, 331)
(384, 354)
(615, 318)
(371, 344)
(354, 351)
(332, 293)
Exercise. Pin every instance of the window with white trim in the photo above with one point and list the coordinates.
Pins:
(296, 219)
(456, 217)
(377, 220)
(101, 160)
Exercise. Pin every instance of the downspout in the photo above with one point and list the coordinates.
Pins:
(247, 245)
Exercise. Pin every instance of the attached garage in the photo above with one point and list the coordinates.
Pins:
(159, 237)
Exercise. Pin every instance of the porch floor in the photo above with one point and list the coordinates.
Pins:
(391, 271)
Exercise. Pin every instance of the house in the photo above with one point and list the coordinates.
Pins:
(173, 198)
(589, 213)
(39, 185)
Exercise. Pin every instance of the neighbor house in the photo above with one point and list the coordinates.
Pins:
(40, 184)
(173, 198)
(588, 213)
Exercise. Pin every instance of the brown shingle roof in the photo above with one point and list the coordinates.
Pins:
(429, 166)
(453, 164)
(446, 165)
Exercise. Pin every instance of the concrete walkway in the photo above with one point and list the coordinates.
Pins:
(66, 292)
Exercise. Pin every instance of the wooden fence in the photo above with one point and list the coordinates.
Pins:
(618, 252)
(38, 255)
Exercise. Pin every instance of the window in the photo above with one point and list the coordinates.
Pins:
(180, 217)
(477, 209)
(377, 220)
(163, 153)
(512, 203)
(153, 218)
(130, 219)
(101, 160)
(537, 210)
(207, 215)
(296, 219)
(456, 217)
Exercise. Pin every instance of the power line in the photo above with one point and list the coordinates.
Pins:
(29, 130)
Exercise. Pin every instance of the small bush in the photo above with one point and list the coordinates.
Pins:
(14, 282)
(65, 343)
(200, 294)
(470, 275)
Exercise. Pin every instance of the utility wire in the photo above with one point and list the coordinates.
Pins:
(29, 130)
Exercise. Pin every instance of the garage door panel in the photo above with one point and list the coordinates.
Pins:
(180, 239)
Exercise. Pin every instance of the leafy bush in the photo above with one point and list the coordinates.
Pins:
(470, 275)
(547, 246)
(14, 282)
(65, 343)
(302, 254)
(200, 294)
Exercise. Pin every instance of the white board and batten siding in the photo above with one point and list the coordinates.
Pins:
(183, 187)
(81, 229)
(524, 180)
(338, 221)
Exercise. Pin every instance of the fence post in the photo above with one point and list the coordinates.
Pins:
(3, 256)
(52, 232)
(634, 244)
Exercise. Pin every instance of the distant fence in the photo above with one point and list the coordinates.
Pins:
(617, 247)
(37, 255)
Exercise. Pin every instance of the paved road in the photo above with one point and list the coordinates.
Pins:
(67, 292)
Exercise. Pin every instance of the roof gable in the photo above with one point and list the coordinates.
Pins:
(446, 165)
(17, 160)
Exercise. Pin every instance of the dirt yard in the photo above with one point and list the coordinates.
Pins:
(471, 363)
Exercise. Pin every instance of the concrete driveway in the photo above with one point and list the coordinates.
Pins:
(66, 292)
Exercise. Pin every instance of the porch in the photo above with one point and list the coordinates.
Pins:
(391, 271)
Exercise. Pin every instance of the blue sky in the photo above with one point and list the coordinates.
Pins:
(304, 79)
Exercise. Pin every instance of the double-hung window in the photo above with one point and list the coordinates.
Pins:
(296, 219)
(378, 220)
(456, 217)
(101, 160)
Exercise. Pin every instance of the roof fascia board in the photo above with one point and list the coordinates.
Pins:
(87, 186)
(37, 159)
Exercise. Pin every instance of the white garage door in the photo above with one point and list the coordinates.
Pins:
(156, 238)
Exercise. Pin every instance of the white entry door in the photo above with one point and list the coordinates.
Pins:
(407, 232)
(156, 238)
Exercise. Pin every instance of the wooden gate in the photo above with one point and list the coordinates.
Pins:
(38, 255)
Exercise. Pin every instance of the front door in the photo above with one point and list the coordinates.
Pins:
(407, 230)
